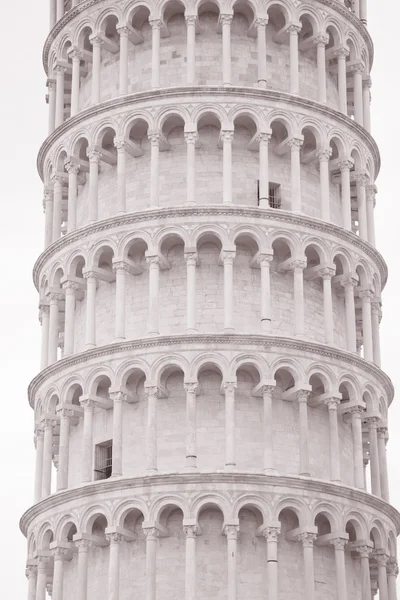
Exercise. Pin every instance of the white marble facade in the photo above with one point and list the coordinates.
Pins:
(210, 416)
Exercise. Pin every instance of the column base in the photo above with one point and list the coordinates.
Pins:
(262, 83)
(90, 346)
(192, 331)
(230, 467)
(228, 330)
(119, 339)
(304, 474)
(270, 471)
(153, 333)
(151, 472)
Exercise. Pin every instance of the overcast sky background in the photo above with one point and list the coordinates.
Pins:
(23, 118)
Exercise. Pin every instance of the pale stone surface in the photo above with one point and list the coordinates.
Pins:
(224, 339)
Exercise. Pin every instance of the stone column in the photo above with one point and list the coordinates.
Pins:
(349, 283)
(155, 52)
(226, 21)
(345, 167)
(114, 540)
(261, 24)
(298, 267)
(52, 86)
(227, 257)
(295, 145)
(383, 472)
(227, 139)
(55, 299)
(191, 262)
(191, 48)
(302, 398)
(326, 274)
(31, 575)
(341, 54)
(154, 284)
(39, 440)
(323, 157)
(41, 581)
(60, 555)
(83, 551)
(152, 393)
(361, 179)
(271, 536)
(60, 76)
(191, 446)
(60, 9)
(87, 440)
(392, 573)
(321, 40)
(358, 459)
(70, 290)
(293, 31)
(366, 84)
(72, 169)
(122, 147)
(370, 194)
(229, 389)
(265, 295)
(57, 206)
(366, 296)
(48, 216)
(118, 399)
(76, 66)
(334, 450)
(307, 540)
(91, 285)
(190, 532)
(63, 462)
(364, 552)
(263, 178)
(232, 532)
(154, 167)
(45, 321)
(267, 391)
(121, 270)
(358, 70)
(97, 43)
(376, 319)
(123, 59)
(53, 13)
(191, 138)
(47, 457)
(382, 560)
(94, 159)
(151, 534)
(341, 582)
(374, 455)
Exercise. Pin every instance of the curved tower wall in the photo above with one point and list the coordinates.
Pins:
(210, 401)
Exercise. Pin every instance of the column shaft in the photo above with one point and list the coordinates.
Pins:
(272, 562)
(362, 207)
(45, 310)
(342, 81)
(231, 532)
(365, 573)
(345, 167)
(87, 441)
(48, 217)
(60, 76)
(350, 315)
(263, 190)
(304, 468)
(375, 308)
(323, 157)
(53, 328)
(321, 66)
(383, 471)
(41, 581)
(151, 555)
(120, 285)
(382, 578)
(295, 145)
(357, 448)
(268, 430)
(91, 284)
(228, 258)
(374, 456)
(58, 575)
(265, 283)
(367, 325)
(152, 395)
(70, 290)
(191, 138)
(230, 426)
(358, 95)
(118, 420)
(191, 259)
(191, 48)
(73, 170)
(96, 68)
(113, 566)
(76, 61)
(51, 84)
(308, 559)
(367, 104)
(47, 458)
(328, 306)
(62, 473)
(341, 584)
(57, 206)
(298, 297)
(334, 452)
(226, 21)
(123, 60)
(154, 168)
(294, 58)
(121, 177)
(154, 286)
(83, 550)
(191, 445)
(262, 52)
(39, 465)
(190, 563)
(94, 158)
(227, 138)
(155, 52)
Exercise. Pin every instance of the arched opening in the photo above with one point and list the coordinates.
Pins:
(249, 419)
(172, 158)
(291, 550)
(137, 165)
(173, 52)
(210, 284)
(171, 420)
(134, 553)
(208, 45)
(279, 166)
(209, 160)
(245, 162)
(171, 553)
(252, 554)
(211, 551)
(283, 289)
(246, 284)
(210, 403)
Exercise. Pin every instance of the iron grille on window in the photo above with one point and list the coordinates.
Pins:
(274, 194)
(103, 460)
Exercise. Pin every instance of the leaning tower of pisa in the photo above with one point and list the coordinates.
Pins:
(210, 414)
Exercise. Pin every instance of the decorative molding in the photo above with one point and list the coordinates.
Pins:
(264, 343)
(239, 480)
(236, 95)
(269, 214)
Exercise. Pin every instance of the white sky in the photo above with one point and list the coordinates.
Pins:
(23, 118)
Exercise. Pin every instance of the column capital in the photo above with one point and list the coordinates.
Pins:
(264, 259)
(346, 165)
(227, 256)
(327, 272)
(361, 178)
(60, 70)
(229, 386)
(298, 264)
(83, 544)
(190, 387)
(341, 52)
(118, 396)
(152, 390)
(191, 258)
(44, 308)
(55, 297)
(357, 67)
(123, 31)
(190, 531)
(155, 23)
(31, 571)
(43, 561)
(226, 135)
(87, 403)
(267, 389)
(39, 434)
(383, 432)
(191, 137)
(349, 281)
(190, 19)
(152, 260)
(372, 421)
(70, 285)
(151, 533)
(59, 553)
(302, 395)
(324, 154)
(114, 538)
(231, 531)
(75, 53)
(264, 137)
(120, 265)
(355, 409)
(96, 40)
(371, 191)
(271, 534)
(366, 295)
(321, 39)
(93, 155)
(295, 143)
(339, 543)
(51, 84)
(154, 138)
(307, 539)
(121, 144)
(72, 166)
(65, 413)
(90, 274)
(392, 567)
(48, 195)
(332, 403)
(294, 28)
(226, 19)
(367, 81)
(261, 21)
(364, 551)
(381, 557)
